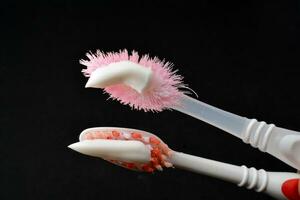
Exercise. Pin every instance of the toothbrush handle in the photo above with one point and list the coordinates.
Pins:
(282, 143)
(272, 183)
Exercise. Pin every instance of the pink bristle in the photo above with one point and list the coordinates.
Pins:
(163, 92)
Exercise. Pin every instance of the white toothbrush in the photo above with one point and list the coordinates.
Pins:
(143, 151)
(149, 84)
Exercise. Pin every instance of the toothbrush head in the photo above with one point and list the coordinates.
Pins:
(130, 148)
(141, 82)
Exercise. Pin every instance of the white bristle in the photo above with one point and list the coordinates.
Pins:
(149, 146)
(167, 164)
(158, 167)
(126, 135)
(146, 139)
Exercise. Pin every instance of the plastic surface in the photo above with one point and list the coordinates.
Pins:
(221, 119)
(282, 143)
(270, 183)
(290, 147)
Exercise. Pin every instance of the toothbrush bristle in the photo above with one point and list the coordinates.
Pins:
(163, 91)
(159, 151)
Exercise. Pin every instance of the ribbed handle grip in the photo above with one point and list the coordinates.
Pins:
(257, 134)
(251, 178)
(282, 143)
(254, 179)
(270, 183)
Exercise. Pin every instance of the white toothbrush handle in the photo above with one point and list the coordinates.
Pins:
(251, 178)
(282, 143)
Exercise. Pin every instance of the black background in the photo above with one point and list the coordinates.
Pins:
(242, 57)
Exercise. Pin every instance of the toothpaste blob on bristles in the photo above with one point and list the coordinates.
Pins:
(163, 88)
(159, 151)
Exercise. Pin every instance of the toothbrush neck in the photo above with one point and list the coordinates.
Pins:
(220, 170)
(224, 120)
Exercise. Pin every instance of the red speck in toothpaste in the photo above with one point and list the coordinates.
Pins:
(116, 134)
(136, 135)
(154, 140)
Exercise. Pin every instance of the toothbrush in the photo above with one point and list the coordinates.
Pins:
(149, 84)
(142, 151)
